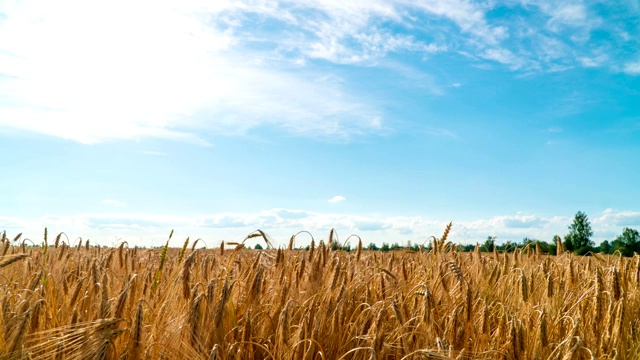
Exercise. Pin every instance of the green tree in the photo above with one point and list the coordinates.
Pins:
(578, 239)
(466, 248)
(488, 244)
(628, 242)
(605, 247)
(544, 246)
(568, 244)
(412, 247)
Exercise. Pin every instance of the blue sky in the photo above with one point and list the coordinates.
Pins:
(386, 119)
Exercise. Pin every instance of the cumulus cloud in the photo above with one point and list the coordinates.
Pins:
(266, 218)
(280, 224)
(291, 214)
(620, 218)
(523, 221)
(122, 221)
(225, 221)
(337, 199)
(515, 227)
(371, 225)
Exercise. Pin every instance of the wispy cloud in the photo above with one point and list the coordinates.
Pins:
(440, 132)
(593, 61)
(567, 15)
(632, 68)
(84, 79)
(199, 68)
(505, 57)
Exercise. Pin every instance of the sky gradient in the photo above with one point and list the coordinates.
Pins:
(387, 119)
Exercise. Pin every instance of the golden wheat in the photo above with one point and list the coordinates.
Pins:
(322, 303)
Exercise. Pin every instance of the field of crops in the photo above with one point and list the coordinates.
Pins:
(85, 302)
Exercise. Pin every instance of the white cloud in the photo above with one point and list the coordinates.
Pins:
(523, 221)
(504, 56)
(550, 49)
(350, 31)
(337, 199)
(104, 76)
(440, 132)
(98, 72)
(371, 225)
(226, 221)
(291, 214)
(371, 45)
(593, 60)
(632, 68)
(468, 15)
(568, 15)
(519, 224)
(280, 224)
(619, 218)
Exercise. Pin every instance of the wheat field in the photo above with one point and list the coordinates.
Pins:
(87, 302)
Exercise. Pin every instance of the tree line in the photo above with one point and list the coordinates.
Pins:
(577, 240)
